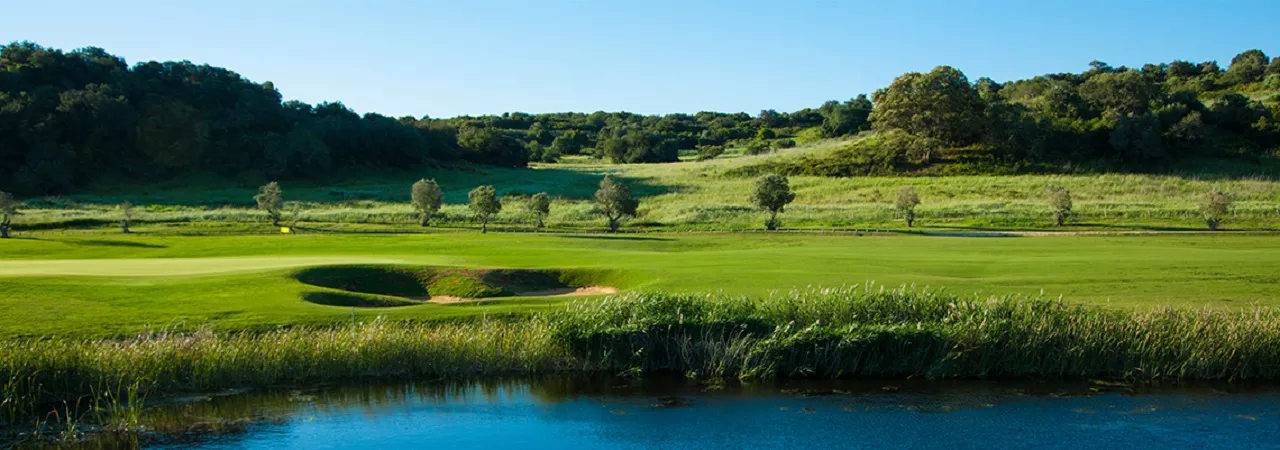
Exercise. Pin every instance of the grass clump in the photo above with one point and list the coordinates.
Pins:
(857, 331)
(860, 331)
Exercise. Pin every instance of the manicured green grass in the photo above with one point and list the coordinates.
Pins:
(93, 286)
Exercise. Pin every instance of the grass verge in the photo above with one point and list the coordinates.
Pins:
(827, 333)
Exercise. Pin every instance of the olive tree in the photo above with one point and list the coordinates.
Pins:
(271, 199)
(8, 209)
(426, 197)
(126, 215)
(1214, 208)
(485, 205)
(906, 204)
(772, 194)
(614, 201)
(540, 205)
(1060, 204)
(294, 210)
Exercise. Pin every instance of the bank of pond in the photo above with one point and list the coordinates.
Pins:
(848, 333)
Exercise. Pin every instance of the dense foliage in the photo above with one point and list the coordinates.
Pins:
(69, 119)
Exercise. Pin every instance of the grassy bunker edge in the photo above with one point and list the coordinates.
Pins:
(381, 286)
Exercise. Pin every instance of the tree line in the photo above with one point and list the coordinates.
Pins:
(1115, 117)
(70, 119)
(615, 202)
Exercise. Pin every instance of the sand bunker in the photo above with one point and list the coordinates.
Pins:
(561, 292)
(383, 286)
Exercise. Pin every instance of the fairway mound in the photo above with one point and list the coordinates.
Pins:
(389, 285)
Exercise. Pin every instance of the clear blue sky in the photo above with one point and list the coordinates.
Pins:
(475, 57)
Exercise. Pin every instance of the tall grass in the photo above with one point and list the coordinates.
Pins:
(861, 331)
(39, 377)
(691, 196)
(841, 332)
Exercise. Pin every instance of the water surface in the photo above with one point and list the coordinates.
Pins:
(677, 413)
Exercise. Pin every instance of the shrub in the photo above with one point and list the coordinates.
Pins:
(709, 152)
(8, 209)
(757, 148)
(271, 199)
(426, 197)
(614, 201)
(540, 205)
(484, 204)
(906, 204)
(1214, 208)
(1060, 204)
(772, 193)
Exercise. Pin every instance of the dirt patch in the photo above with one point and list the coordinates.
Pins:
(562, 292)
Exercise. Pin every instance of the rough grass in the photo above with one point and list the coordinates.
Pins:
(683, 196)
(853, 331)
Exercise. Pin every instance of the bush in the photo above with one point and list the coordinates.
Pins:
(757, 148)
(1214, 208)
(709, 152)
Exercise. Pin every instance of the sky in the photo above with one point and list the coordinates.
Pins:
(448, 58)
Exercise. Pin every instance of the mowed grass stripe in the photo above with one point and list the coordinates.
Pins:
(173, 266)
(78, 286)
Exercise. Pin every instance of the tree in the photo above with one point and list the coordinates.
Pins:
(294, 210)
(614, 201)
(8, 209)
(540, 205)
(1182, 69)
(1060, 204)
(906, 204)
(426, 198)
(126, 215)
(1137, 138)
(1120, 93)
(1247, 67)
(939, 105)
(772, 193)
(1214, 208)
(485, 205)
(271, 199)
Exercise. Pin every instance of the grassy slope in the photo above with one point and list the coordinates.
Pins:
(688, 195)
(243, 281)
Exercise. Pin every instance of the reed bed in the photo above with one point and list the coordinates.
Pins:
(853, 331)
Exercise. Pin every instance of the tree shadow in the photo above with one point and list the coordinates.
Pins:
(111, 243)
(613, 237)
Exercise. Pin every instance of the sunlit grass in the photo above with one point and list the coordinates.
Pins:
(681, 196)
(855, 331)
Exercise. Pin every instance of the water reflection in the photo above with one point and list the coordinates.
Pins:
(665, 412)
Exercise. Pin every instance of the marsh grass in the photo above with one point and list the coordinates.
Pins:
(854, 331)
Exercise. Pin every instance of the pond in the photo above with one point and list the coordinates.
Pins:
(680, 413)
